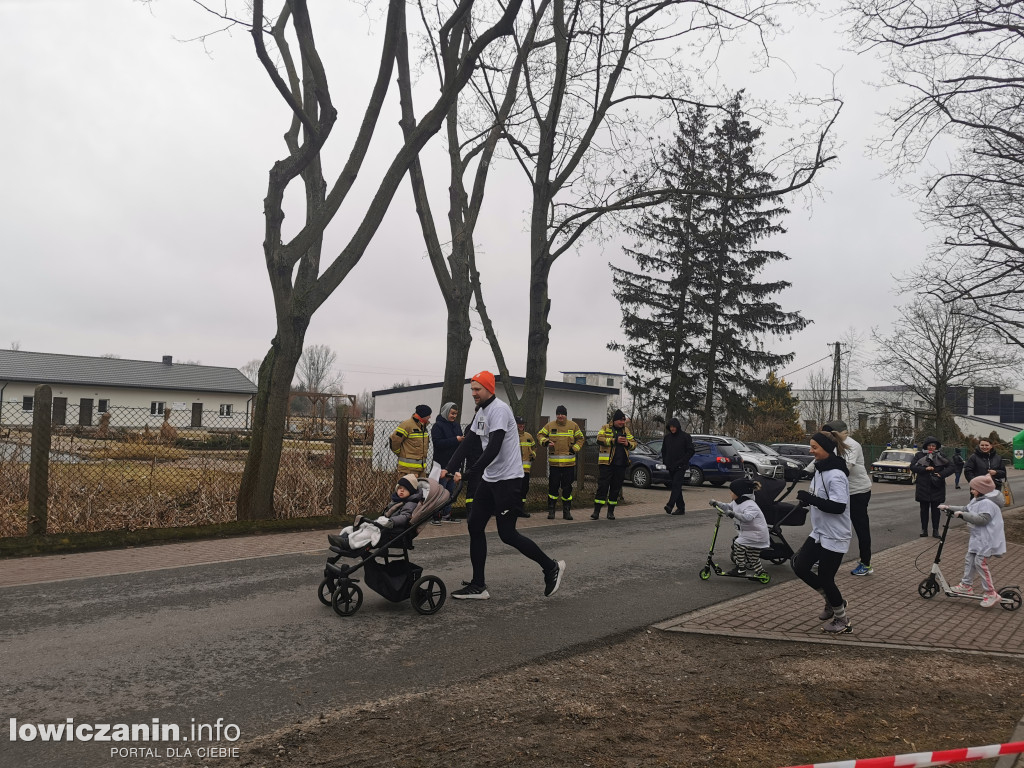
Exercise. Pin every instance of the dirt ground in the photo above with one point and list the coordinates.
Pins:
(669, 699)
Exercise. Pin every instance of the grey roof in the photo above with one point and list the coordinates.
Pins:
(46, 368)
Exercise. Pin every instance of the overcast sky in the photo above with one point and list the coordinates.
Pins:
(135, 165)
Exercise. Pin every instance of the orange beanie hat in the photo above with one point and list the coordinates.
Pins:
(486, 379)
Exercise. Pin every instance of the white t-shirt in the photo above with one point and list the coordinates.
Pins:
(508, 464)
(860, 481)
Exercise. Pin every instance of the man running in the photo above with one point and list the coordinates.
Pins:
(501, 467)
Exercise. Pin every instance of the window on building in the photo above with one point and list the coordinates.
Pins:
(225, 410)
(156, 409)
(610, 382)
(26, 403)
(103, 406)
(809, 426)
(581, 379)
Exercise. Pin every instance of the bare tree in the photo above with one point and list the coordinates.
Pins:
(251, 371)
(15, 346)
(814, 406)
(316, 370)
(300, 284)
(961, 63)
(580, 139)
(472, 131)
(934, 349)
(364, 405)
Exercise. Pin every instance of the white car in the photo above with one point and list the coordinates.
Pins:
(753, 461)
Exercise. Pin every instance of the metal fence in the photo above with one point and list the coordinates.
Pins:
(130, 469)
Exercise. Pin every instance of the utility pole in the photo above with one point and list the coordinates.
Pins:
(835, 395)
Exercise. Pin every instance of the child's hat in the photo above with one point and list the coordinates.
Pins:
(408, 482)
(742, 487)
(983, 484)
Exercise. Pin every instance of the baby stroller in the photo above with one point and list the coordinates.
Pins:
(777, 512)
(387, 569)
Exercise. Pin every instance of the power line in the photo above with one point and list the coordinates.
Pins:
(787, 373)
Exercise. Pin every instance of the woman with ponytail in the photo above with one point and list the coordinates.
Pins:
(829, 502)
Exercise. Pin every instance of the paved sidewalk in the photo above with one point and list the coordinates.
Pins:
(884, 607)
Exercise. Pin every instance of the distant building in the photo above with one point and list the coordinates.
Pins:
(593, 378)
(977, 410)
(92, 386)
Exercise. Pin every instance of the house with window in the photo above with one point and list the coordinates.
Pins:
(977, 410)
(140, 392)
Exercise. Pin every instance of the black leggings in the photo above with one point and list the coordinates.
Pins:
(828, 565)
(500, 500)
(861, 526)
(936, 513)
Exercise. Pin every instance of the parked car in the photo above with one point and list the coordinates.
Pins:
(798, 451)
(646, 468)
(711, 463)
(785, 461)
(751, 461)
(893, 465)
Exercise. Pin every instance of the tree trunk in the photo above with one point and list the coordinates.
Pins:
(460, 338)
(256, 492)
(537, 340)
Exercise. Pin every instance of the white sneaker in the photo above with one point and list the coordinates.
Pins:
(962, 589)
(989, 600)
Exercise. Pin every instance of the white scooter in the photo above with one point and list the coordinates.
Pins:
(1009, 597)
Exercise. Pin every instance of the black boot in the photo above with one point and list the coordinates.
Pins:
(611, 512)
(551, 510)
(924, 532)
(597, 512)
(566, 510)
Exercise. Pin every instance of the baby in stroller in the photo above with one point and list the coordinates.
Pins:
(404, 500)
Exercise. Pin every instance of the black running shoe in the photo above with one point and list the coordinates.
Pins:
(471, 591)
(552, 578)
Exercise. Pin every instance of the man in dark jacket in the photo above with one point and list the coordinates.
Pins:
(446, 434)
(676, 452)
(985, 461)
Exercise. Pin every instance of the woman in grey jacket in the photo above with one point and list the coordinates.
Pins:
(831, 531)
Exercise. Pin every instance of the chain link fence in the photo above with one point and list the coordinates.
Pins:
(130, 468)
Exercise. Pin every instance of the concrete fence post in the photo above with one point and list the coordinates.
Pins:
(339, 494)
(39, 460)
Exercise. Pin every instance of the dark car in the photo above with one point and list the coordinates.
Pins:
(789, 461)
(716, 464)
(646, 468)
(798, 451)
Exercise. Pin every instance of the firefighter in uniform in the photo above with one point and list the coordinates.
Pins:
(411, 441)
(614, 442)
(564, 440)
(526, 447)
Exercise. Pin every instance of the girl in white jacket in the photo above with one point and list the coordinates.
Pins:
(829, 501)
(985, 519)
(752, 527)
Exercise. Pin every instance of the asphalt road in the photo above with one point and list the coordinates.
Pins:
(250, 643)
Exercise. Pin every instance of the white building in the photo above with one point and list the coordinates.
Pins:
(140, 391)
(977, 410)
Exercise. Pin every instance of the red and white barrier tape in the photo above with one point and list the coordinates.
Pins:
(926, 759)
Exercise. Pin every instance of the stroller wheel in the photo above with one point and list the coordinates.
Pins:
(325, 590)
(778, 560)
(427, 595)
(705, 573)
(928, 588)
(347, 598)
(1011, 594)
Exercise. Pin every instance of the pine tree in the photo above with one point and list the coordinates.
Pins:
(693, 314)
(774, 413)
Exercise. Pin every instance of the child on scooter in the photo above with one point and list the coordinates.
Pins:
(751, 525)
(985, 520)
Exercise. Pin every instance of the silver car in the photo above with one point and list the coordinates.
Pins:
(753, 461)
